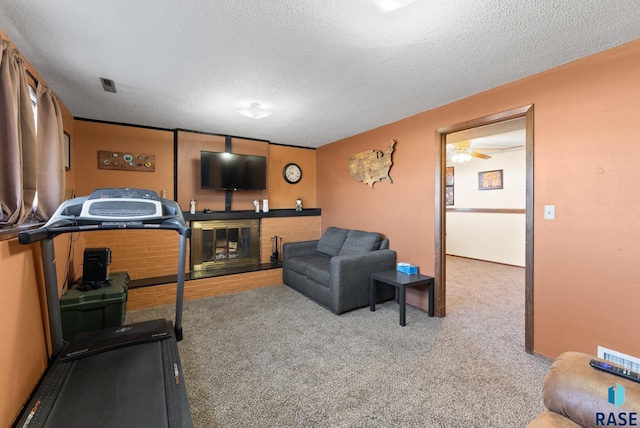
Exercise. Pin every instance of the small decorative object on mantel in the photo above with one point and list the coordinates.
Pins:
(256, 205)
(124, 161)
(371, 166)
(298, 204)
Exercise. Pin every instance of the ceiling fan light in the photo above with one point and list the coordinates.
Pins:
(254, 111)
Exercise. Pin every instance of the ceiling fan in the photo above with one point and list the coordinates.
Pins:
(461, 152)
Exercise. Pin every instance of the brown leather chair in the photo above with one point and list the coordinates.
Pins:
(576, 395)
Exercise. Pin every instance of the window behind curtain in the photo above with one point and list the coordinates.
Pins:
(34, 106)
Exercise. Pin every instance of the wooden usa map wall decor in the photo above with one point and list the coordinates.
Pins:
(371, 166)
(124, 161)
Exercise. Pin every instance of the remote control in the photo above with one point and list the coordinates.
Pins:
(625, 373)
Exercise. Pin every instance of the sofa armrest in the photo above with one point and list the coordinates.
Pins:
(576, 390)
(350, 274)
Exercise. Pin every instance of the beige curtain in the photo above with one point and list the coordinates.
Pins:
(50, 154)
(30, 166)
(17, 139)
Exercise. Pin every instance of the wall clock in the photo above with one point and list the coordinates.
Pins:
(292, 173)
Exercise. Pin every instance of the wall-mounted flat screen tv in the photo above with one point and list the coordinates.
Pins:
(230, 171)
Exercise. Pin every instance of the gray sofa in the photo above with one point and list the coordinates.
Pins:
(334, 270)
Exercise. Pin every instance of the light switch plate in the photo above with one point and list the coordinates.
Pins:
(549, 212)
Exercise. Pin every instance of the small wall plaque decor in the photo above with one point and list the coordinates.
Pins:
(125, 161)
(371, 166)
(490, 180)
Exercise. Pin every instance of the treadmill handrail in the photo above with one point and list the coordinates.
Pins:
(66, 226)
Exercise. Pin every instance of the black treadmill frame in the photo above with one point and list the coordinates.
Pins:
(67, 219)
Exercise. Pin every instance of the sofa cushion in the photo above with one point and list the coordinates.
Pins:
(302, 263)
(359, 242)
(331, 241)
(320, 271)
(384, 244)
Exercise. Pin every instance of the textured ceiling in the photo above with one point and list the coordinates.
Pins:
(328, 69)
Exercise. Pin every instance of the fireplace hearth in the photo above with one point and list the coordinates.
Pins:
(224, 243)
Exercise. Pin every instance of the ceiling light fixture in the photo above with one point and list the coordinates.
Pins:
(387, 6)
(254, 111)
(461, 156)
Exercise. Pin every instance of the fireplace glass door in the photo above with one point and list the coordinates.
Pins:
(223, 243)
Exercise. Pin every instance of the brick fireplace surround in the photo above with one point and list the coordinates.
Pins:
(150, 258)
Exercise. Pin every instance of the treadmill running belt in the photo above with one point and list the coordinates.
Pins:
(137, 386)
(94, 342)
(119, 388)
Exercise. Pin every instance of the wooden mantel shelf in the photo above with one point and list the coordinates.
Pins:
(248, 214)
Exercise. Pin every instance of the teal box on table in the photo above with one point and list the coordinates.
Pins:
(407, 268)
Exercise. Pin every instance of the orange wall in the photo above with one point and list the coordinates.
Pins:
(92, 137)
(586, 139)
(22, 362)
(25, 327)
(283, 194)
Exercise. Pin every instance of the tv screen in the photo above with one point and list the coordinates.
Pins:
(230, 171)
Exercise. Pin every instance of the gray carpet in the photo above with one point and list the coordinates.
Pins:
(272, 358)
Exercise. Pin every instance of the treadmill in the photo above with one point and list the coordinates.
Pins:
(125, 376)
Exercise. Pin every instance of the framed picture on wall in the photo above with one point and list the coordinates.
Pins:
(490, 180)
(449, 176)
(448, 195)
(67, 151)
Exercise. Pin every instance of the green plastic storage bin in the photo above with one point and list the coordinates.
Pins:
(91, 310)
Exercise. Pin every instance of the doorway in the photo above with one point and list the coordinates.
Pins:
(525, 112)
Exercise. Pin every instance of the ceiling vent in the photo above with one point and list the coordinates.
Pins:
(108, 85)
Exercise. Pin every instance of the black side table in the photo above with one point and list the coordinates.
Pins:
(401, 281)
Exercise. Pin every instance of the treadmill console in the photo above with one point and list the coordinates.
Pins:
(118, 204)
(118, 193)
